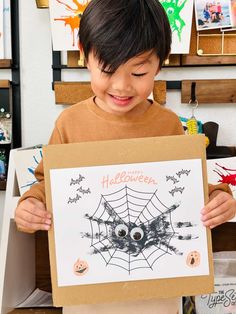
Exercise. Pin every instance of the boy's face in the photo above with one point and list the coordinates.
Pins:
(126, 88)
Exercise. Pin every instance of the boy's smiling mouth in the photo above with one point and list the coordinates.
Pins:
(121, 100)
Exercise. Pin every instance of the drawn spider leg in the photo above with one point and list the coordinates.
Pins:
(98, 220)
(184, 224)
(90, 236)
(185, 237)
(181, 225)
(172, 248)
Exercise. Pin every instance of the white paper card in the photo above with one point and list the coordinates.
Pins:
(129, 222)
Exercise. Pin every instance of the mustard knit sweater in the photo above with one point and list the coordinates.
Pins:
(85, 121)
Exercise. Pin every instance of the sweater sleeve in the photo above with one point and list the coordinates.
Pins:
(221, 186)
(38, 189)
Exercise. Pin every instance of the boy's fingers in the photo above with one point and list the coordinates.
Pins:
(215, 202)
(32, 218)
(220, 214)
(31, 215)
(35, 207)
(33, 222)
(29, 227)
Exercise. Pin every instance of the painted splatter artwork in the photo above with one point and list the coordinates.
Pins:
(179, 13)
(26, 161)
(223, 170)
(65, 18)
(128, 222)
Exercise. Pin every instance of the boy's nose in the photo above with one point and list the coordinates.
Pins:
(121, 83)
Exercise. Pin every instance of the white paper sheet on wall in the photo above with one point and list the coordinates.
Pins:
(223, 170)
(65, 20)
(180, 13)
(26, 161)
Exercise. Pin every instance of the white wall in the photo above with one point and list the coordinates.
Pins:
(38, 105)
(39, 110)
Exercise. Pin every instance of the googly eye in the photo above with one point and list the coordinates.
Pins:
(136, 234)
(121, 230)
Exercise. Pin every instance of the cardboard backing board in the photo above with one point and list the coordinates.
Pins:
(37, 311)
(125, 152)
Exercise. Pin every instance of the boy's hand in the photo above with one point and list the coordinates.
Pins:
(31, 215)
(220, 209)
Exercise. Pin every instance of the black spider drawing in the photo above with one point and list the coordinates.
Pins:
(129, 235)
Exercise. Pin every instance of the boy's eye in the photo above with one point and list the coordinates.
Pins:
(107, 72)
(139, 74)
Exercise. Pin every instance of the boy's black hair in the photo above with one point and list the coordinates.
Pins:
(117, 30)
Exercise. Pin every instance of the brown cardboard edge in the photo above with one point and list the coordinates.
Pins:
(127, 151)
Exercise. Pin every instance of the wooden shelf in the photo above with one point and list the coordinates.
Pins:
(4, 84)
(69, 93)
(206, 91)
(5, 63)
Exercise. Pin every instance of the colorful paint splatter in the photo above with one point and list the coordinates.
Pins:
(173, 9)
(75, 14)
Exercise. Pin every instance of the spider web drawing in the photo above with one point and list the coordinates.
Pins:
(142, 215)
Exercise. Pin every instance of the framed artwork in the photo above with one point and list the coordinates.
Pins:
(125, 215)
(65, 18)
(180, 17)
(26, 161)
(223, 170)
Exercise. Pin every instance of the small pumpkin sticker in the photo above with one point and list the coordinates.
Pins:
(80, 267)
(193, 259)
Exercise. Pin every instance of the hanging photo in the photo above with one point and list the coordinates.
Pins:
(5, 128)
(180, 17)
(211, 15)
(65, 18)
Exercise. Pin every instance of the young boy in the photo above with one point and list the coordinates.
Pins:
(124, 44)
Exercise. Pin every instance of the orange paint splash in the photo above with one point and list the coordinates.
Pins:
(73, 20)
